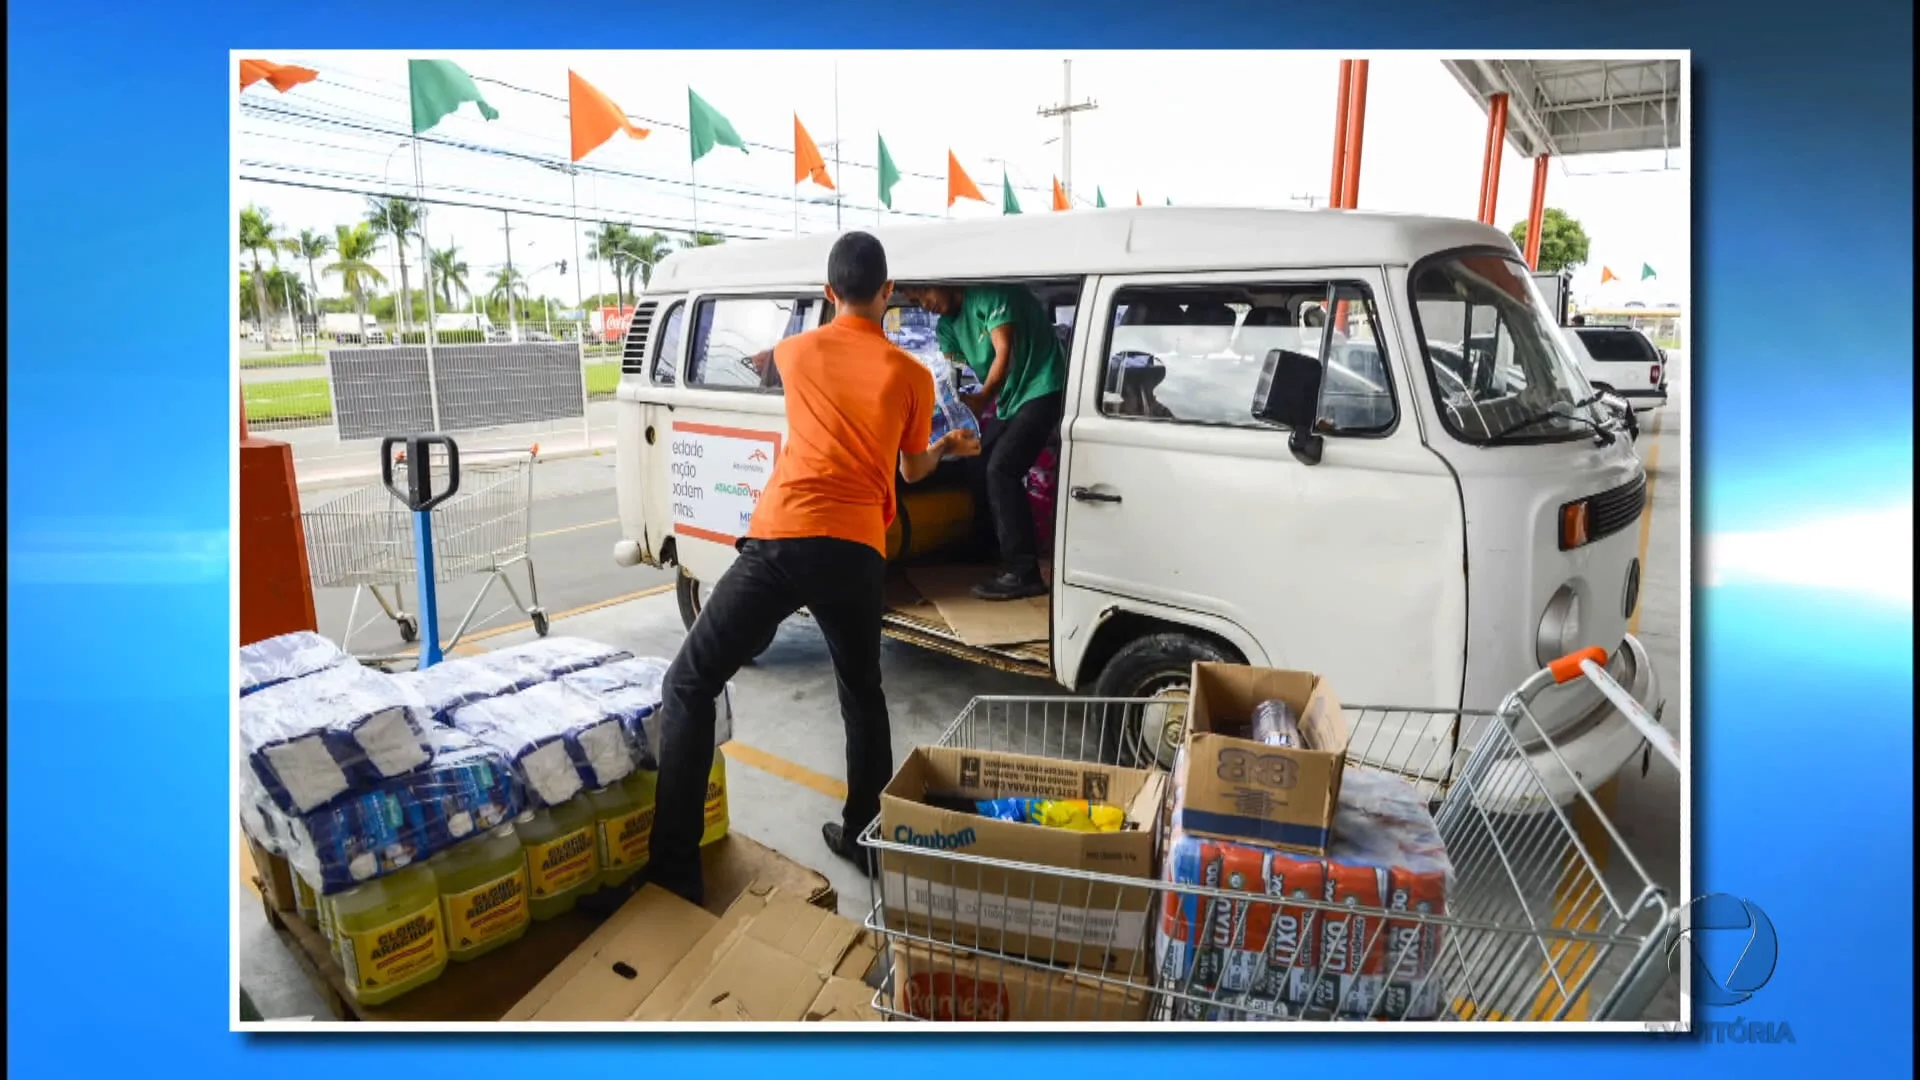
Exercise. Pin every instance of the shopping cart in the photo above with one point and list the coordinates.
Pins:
(365, 540)
(1548, 916)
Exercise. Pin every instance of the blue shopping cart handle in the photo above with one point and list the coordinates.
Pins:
(420, 496)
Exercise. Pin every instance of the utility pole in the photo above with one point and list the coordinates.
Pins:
(1065, 111)
(841, 180)
(513, 323)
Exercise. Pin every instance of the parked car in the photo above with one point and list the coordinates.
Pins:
(1622, 361)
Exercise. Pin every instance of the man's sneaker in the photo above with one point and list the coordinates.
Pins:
(847, 847)
(1008, 585)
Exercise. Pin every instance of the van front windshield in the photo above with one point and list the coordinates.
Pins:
(1499, 370)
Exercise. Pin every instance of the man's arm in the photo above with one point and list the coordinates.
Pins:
(958, 442)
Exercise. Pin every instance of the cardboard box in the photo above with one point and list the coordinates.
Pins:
(1231, 788)
(1046, 916)
(931, 983)
(274, 874)
(843, 1001)
(772, 957)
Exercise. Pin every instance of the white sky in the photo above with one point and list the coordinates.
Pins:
(1231, 128)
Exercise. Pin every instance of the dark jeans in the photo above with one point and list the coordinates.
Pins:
(843, 586)
(1008, 450)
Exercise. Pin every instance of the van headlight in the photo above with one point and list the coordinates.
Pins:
(1559, 632)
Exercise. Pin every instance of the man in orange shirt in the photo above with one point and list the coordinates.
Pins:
(857, 408)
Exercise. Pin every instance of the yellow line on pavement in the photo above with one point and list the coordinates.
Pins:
(1578, 898)
(576, 528)
(786, 770)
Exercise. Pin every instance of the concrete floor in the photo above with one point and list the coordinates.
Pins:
(787, 761)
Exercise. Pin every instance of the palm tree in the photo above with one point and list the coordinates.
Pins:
(614, 245)
(310, 247)
(451, 271)
(508, 289)
(399, 218)
(258, 233)
(643, 254)
(707, 239)
(356, 245)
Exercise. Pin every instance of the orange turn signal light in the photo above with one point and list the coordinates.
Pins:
(1573, 525)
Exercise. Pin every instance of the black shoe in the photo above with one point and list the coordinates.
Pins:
(1008, 585)
(847, 847)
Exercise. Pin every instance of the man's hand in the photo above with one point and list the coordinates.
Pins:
(959, 443)
(977, 403)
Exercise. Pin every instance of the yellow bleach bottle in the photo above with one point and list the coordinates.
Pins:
(391, 936)
(306, 901)
(624, 813)
(716, 815)
(483, 893)
(323, 917)
(563, 855)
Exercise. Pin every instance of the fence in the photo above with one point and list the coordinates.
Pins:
(334, 399)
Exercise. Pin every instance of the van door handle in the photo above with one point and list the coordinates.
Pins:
(1081, 494)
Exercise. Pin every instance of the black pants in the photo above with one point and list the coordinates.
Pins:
(1008, 450)
(843, 586)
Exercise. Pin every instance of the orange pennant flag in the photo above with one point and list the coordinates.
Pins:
(959, 184)
(1607, 274)
(1060, 196)
(282, 77)
(595, 117)
(1136, 199)
(807, 163)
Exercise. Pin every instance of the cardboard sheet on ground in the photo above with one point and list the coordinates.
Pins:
(975, 621)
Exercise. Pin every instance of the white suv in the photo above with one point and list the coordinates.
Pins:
(1624, 362)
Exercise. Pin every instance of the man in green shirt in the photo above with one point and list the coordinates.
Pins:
(1002, 334)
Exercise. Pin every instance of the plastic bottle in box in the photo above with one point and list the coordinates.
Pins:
(623, 818)
(306, 902)
(392, 939)
(563, 857)
(483, 893)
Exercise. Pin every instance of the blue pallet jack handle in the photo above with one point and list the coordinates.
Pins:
(420, 498)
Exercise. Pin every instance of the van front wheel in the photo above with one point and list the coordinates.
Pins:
(1155, 669)
(686, 589)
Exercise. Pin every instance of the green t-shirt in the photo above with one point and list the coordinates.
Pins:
(1036, 368)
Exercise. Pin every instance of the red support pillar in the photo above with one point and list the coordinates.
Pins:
(1340, 105)
(1356, 136)
(1490, 163)
(1537, 211)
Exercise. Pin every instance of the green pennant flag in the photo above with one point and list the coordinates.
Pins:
(708, 129)
(1099, 198)
(889, 175)
(1169, 200)
(438, 88)
(1646, 272)
(1008, 203)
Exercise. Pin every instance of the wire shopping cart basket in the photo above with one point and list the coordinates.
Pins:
(364, 540)
(1542, 914)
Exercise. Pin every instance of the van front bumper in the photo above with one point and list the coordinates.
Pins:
(1530, 772)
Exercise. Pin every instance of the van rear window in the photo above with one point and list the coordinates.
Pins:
(1616, 346)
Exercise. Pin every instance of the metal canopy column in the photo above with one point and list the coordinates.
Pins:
(1356, 135)
(1340, 105)
(1537, 211)
(1490, 163)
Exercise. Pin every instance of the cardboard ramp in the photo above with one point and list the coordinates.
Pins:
(980, 622)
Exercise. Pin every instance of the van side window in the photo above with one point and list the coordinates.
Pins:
(666, 353)
(1195, 355)
(733, 340)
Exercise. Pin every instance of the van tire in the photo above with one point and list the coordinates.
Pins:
(1153, 665)
(686, 590)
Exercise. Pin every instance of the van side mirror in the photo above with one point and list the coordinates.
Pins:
(1289, 395)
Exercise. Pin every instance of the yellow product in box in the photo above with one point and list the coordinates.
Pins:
(391, 937)
(306, 902)
(625, 820)
(716, 801)
(323, 918)
(563, 855)
(483, 893)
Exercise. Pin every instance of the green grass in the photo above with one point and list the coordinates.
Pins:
(282, 359)
(603, 379)
(288, 399)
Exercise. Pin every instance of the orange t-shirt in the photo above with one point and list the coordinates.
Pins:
(855, 402)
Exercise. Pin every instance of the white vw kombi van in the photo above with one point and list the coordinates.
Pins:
(1341, 442)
